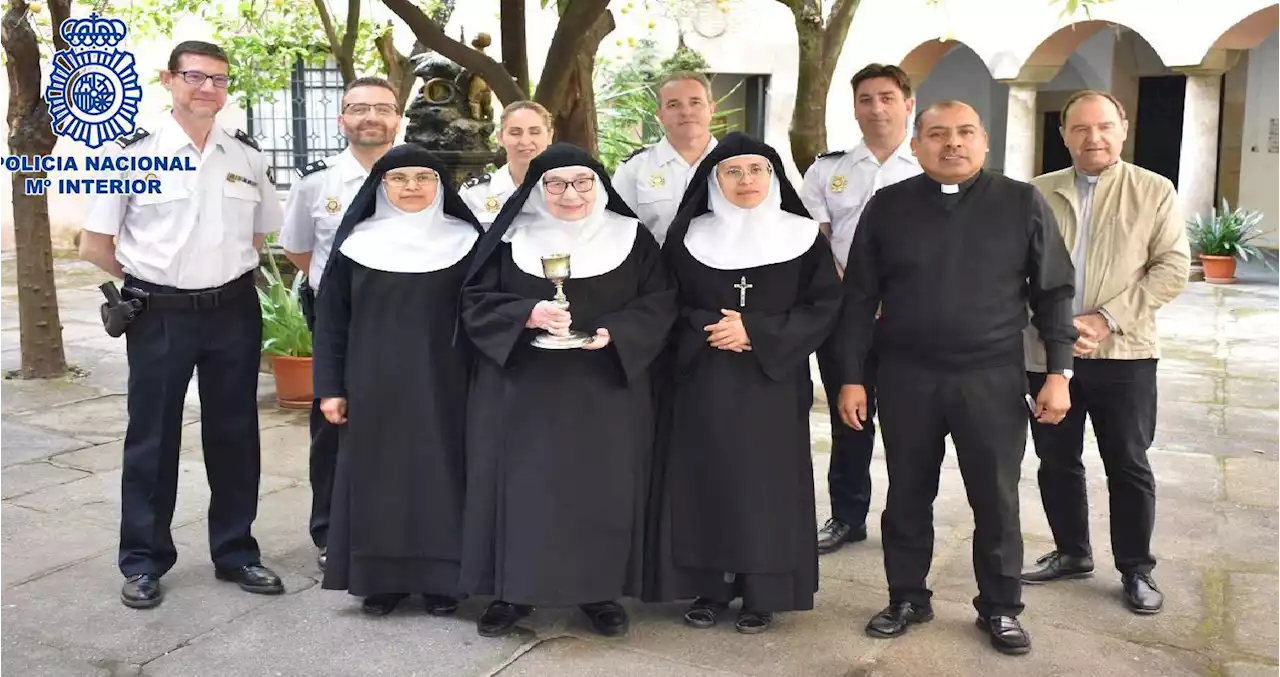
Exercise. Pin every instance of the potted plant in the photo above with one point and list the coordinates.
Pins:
(1221, 237)
(286, 341)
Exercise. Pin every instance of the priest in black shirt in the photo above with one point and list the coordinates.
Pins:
(953, 258)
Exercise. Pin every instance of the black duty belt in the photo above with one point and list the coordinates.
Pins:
(157, 297)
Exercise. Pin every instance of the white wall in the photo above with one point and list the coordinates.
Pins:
(1259, 166)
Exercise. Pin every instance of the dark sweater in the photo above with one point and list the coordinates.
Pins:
(954, 276)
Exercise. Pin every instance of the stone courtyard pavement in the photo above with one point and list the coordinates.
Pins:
(1215, 460)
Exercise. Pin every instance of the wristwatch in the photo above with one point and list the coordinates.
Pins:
(1065, 373)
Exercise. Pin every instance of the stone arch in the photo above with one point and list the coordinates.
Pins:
(1048, 58)
(921, 60)
(1250, 31)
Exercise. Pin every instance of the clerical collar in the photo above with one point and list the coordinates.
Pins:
(950, 188)
(954, 188)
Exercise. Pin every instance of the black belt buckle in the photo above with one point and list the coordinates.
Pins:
(207, 300)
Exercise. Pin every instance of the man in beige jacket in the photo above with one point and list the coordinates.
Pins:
(1129, 246)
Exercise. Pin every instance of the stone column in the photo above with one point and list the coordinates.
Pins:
(1198, 162)
(1020, 132)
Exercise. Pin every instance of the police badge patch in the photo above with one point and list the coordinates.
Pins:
(491, 205)
(332, 205)
(839, 183)
(657, 180)
(93, 94)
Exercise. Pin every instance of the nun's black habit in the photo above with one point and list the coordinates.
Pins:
(385, 318)
(559, 442)
(734, 501)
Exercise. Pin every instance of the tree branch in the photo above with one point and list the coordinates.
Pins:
(353, 31)
(515, 50)
(576, 24)
(834, 33)
(433, 36)
(59, 11)
(336, 47)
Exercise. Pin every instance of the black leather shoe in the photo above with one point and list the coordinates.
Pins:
(142, 591)
(439, 605)
(835, 534)
(253, 578)
(321, 558)
(1058, 567)
(1141, 594)
(895, 619)
(1006, 633)
(500, 618)
(608, 618)
(382, 604)
(753, 622)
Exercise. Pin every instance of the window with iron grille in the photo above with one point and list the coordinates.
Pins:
(301, 124)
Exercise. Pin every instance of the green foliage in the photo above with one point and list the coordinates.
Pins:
(284, 327)
(1229, 233)
(627, 101)
(264, 38)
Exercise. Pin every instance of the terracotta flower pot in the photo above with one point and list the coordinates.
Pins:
(294, 388)
(1219, 269)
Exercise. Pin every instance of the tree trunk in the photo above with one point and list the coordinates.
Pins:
(575, 111)
(820, 46)
(399, 67)
(30, 133)
(432, 34)
(515, 50)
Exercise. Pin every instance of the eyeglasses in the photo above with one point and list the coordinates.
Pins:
(383, 109)
(196, 78)
(559, 186)
(402, 180)
(736, 175)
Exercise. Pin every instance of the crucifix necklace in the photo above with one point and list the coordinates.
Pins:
(742, 288)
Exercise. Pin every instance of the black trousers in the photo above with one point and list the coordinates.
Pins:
(849, 475)
(1119, 397)
(164, 347)
(985, 413)
(323, 461)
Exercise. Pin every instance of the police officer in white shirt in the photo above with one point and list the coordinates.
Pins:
(836, 188)
(370, 120)
(524, 130)
(652, 180)
(188, 253)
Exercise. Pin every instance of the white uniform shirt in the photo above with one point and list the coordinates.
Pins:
(198, 231)
(486, 194)
(653, 180)
(315, 207)
(838, 185)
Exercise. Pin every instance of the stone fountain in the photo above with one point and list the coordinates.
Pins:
(452, 116)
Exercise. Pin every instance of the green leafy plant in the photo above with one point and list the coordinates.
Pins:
(1229, 233)
(284, 327)
(627, 101)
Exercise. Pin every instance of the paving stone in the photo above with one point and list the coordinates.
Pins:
(1196, 477)
(323, 632)
(23, 655)
(96, 499)
(19, 395)
(96, 421)
(1248, 537)
(24, 442)
(826, 641)
(1250, 670)
(25, 478)
(286, 451)
(1187, 386)
(1256, 393)
(570, 655)
(1255, 424)
(1252, 481)
(35, 542)
(1251, 604)
(79, 607)
(280, 529)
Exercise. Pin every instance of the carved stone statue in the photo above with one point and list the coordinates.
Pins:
(445, 118)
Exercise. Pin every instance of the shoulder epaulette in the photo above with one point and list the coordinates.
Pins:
(130, 139)
(311, 169)
(831, 153)
(477, 180)
(246, 139)
(635, 152)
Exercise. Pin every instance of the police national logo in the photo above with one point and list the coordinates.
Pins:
(93, 91)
